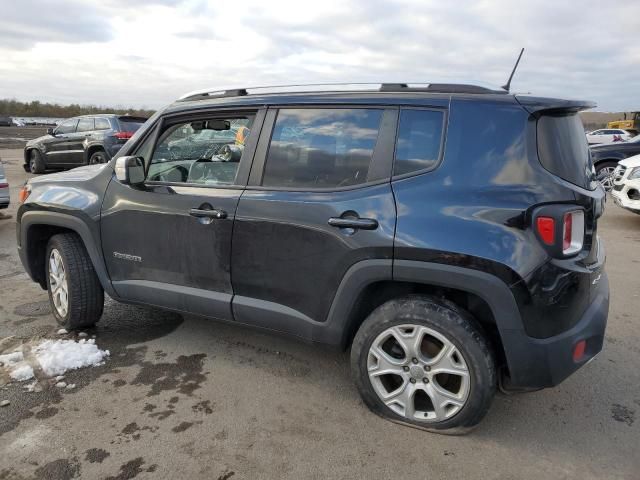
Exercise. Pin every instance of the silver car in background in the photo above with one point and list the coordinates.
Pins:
(4, 188)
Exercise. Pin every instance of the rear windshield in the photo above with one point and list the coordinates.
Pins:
(563, 148)
(130, 124)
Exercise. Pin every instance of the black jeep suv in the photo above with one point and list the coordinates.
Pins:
(88, 139)
(446, 234)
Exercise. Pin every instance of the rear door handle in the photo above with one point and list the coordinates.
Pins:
(355, 223)
(213, 213)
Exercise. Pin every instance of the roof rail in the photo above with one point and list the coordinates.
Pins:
(218, 92)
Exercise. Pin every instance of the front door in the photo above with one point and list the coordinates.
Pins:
(58, 146)
(319, 200)
(169, 243)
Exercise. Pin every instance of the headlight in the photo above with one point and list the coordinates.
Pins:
(635, 174)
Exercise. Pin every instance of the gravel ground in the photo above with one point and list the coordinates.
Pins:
(185, 397)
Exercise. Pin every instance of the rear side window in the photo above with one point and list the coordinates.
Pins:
(419, 141)
(102, 124)
(321, 148)
(85, 125)
(563, 148)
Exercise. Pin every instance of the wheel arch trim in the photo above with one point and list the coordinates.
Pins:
(57, 219)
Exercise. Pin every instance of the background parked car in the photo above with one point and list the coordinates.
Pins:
(88, 139)
(5, 121)
(626, 184)
(608, 135)
(606, 158)
(4, 189)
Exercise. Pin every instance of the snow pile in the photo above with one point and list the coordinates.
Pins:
(55, 357)
(18, 369)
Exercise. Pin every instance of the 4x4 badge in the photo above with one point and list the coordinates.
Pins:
(126, 256)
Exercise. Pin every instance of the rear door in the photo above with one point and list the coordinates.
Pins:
(168, 243)
(319, 201)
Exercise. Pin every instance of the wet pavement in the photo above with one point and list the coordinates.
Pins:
(187, 397)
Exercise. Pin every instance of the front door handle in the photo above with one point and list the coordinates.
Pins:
(214, 213)
(355, 223)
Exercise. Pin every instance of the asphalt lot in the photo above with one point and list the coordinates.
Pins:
(186, 397)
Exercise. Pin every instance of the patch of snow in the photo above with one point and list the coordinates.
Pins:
(83, 334)
(22, 372)
(55, 358)
(11, 359)
(62, 331)
(61, 384)
(58, 356)
(4, 403)
(70, 386)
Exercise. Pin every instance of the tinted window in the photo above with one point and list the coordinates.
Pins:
(206, 152)
(321, 148)
(563, 148)
(68, 126)
(102, 124)
(419, 140)
(85, 125)
(130, 125)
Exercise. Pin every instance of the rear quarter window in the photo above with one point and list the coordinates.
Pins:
(419, 141)
(563, 149)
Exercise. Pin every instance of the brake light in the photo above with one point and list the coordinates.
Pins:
(4, 185)
(546, 229)
(123, 135)
(572, 232)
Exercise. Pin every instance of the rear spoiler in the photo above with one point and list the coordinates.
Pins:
(539, 105)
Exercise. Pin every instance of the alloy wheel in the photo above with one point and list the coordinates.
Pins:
(58, 283)
(418, 373)
(605, 177)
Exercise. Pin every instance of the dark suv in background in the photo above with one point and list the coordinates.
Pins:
(88, 139)
(447, 235)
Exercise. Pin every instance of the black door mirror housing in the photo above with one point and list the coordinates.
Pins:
(130, 170)
(50, 131)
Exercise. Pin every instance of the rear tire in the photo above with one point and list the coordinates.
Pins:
(399, 357)
(604, 174)
(98, 157)
(36, 164)
(75, 293)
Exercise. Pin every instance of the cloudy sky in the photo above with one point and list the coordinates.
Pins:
(148, 52)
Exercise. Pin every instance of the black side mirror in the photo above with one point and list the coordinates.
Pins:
(130, 170)
(50, 131)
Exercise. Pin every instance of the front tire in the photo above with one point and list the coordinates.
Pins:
(36, 164)
(75, 293)
(422, 362)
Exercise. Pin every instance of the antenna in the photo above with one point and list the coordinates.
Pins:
(507, 86)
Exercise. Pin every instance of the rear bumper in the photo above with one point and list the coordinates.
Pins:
(538, 363)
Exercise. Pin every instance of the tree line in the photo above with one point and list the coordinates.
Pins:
(15, 108)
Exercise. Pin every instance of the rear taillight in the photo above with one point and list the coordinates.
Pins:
(560, 229)
(123, 135)
(4, 185)
(546, 229)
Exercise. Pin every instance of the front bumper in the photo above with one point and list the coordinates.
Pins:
(620, 194)
(539, 363)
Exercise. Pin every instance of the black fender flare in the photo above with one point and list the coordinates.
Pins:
(494, 291)
(75, 224)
